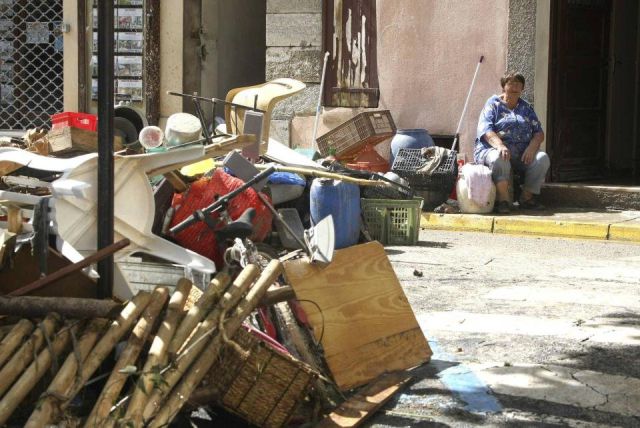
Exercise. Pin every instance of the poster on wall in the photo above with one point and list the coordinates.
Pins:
(129, 90)
(129, 42)
(129, 19)
(129, 2)
(129, 66)
(94, 88)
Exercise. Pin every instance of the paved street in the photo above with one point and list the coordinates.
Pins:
(525, 331)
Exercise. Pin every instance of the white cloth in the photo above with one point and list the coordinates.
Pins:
(478, 180)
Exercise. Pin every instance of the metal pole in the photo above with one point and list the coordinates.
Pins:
(314, 144)
(466, 104)
(105, 145)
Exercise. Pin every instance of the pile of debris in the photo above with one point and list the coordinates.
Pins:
(294, 246)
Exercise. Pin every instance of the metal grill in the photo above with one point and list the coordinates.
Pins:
(31, 84)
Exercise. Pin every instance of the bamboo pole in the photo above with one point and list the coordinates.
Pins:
(112, 388)
(48, 408)
(198, 341)
(180, 395)
(157, 352)
(21, 359)
(117, 328)
(32, 375)
(69, 307)
(14, 338)
(321, 173)
(198, 311)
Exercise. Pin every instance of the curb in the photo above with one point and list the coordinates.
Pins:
(619, 231)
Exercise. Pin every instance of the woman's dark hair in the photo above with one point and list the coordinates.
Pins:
(511, 77)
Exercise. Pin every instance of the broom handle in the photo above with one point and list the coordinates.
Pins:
(466, 104)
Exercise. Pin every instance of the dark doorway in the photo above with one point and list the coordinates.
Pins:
(593, 99)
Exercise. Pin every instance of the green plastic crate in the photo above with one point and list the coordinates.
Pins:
(392, 221)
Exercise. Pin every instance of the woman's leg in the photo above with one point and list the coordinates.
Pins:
(500, 172)
(534, 175)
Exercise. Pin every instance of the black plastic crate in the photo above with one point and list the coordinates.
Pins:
(408, 162)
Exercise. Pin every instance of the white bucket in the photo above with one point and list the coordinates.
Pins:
(182, 128)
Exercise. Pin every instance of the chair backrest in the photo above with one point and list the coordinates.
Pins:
(264, 96)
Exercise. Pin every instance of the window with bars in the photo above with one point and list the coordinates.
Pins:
(31, 83)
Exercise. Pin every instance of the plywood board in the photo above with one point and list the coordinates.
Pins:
(357, 409)
(359, 312)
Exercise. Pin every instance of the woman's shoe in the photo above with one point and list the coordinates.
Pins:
(531, 204)
(502, 207)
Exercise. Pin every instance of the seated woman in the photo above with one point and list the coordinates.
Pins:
(509, 136)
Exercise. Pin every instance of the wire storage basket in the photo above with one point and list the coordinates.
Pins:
(434, 187)
(370, 127)
(263, 385)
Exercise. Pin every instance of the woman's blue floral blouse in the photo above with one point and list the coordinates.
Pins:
(516, 127)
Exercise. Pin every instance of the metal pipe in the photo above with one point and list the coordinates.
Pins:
(105, 145)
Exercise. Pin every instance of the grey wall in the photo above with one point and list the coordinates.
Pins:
(294, 43)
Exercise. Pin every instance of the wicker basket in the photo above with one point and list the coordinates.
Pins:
(264, 386)
(370, 127)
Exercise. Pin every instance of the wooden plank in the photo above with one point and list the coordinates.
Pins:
(356, 366)
(68, 139)
(359, 292)
(365, 403)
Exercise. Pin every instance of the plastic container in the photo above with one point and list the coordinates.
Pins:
(369, 160)
(344, 141)
(409, 139)
(151, 137)
(77, 120)
(182, 128)
(392, 222)
(340, 200)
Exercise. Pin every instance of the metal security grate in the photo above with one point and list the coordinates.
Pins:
(31, 83)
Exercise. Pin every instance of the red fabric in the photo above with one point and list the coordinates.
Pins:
(202, 193)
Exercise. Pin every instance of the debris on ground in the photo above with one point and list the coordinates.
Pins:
(242, 269)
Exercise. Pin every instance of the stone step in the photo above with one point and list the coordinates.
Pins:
(577, 195)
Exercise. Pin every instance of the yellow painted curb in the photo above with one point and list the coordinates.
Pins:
(533, 226)
(625, 232)
(468, 222)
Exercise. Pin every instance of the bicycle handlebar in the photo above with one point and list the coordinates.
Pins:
(198, 215)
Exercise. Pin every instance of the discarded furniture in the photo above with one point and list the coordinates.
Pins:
(360, 314)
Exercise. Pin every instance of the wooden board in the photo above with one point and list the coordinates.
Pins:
(70, 139)
(355, 410)
(358, 310)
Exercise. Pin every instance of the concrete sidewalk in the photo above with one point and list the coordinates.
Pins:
(561, 222)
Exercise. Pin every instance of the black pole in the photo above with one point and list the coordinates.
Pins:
(105, 144)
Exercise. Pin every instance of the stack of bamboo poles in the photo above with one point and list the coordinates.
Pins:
(184, 346)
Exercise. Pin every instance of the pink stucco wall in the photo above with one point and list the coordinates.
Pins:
(427, 54)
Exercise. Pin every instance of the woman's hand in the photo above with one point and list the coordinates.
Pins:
(529, 154)
(504, 152)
